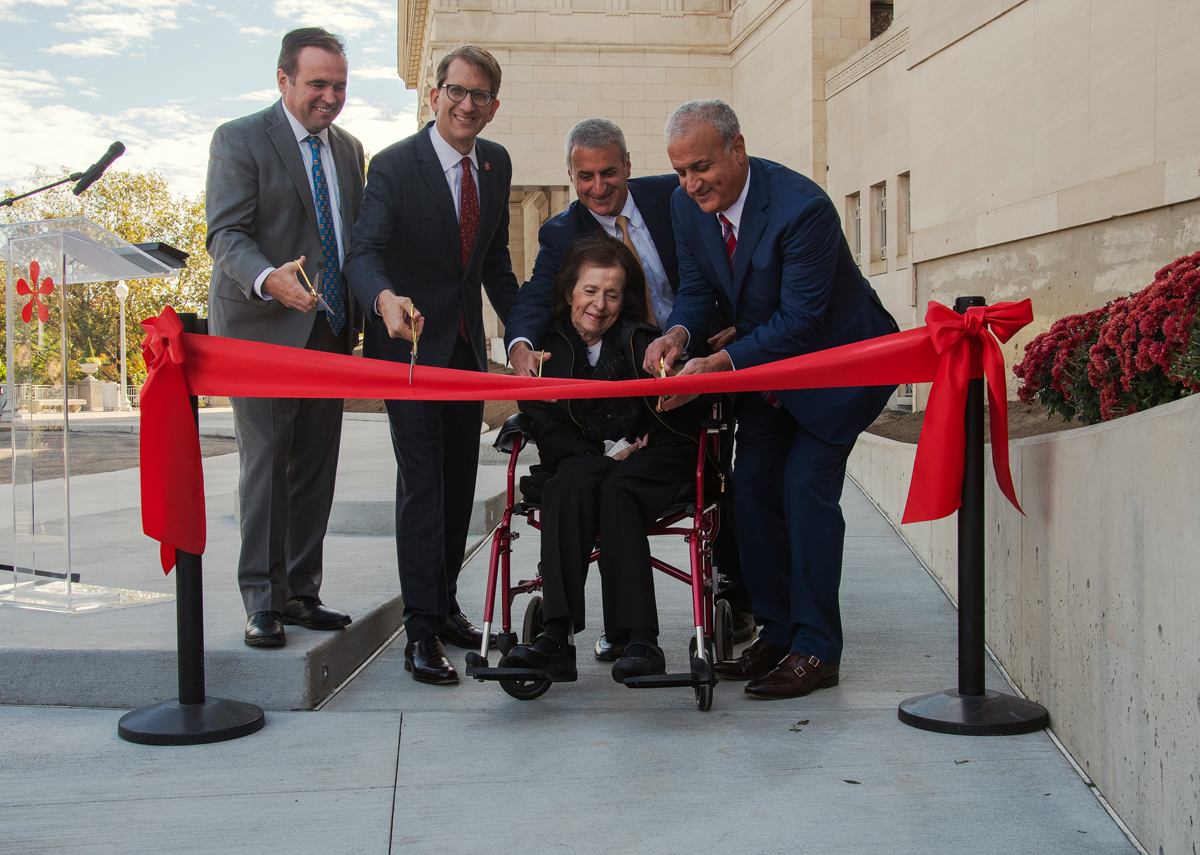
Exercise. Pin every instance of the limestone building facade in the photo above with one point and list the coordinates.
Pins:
(1010, 148)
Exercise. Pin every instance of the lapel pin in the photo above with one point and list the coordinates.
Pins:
(486, 165)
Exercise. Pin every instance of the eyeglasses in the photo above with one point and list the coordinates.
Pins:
(479, 97)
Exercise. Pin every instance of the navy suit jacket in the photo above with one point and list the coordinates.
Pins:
(531, 315)
(795, 290)
(407, 239)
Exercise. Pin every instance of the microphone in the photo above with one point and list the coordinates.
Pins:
(97, 169)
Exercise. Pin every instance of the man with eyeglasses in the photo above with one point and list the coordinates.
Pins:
(433, 231)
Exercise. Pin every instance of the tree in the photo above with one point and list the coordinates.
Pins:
(138, 207)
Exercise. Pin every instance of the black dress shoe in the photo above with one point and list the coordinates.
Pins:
(743, 627)
(796, 676)
(427, 661)
(311, 613)
(640, 660)
(756, 661)
(547, 653)
(608, 651)
(459, 631)
(265, 629)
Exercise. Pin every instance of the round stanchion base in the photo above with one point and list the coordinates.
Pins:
(990, 714)
(173, 723)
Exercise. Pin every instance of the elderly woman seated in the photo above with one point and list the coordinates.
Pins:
(608, 465)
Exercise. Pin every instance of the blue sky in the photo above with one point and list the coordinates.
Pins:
(160, 75)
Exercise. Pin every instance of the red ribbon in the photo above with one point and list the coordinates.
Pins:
(182, 364)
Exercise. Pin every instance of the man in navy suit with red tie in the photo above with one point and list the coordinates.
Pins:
(769, 241)
(432, 234)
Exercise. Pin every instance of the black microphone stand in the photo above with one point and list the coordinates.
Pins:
(8, 203)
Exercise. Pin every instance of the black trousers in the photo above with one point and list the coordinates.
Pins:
(619, 500)
(437, 455)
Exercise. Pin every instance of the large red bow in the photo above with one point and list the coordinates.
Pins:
(966, 347)
(169, 444)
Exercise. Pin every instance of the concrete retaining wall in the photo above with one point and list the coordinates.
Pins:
(1094, 598)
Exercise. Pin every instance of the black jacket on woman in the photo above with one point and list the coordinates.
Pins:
(566, 428)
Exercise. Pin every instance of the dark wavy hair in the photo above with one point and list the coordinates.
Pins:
(297, 40)
(604, 252)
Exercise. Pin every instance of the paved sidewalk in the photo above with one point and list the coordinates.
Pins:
(391, 766)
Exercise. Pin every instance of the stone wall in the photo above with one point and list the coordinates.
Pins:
(1092, 598)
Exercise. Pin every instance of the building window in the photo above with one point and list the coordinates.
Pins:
(882, 13)
(877, 230)
(854, 226)
(879, 200)
(903, 214)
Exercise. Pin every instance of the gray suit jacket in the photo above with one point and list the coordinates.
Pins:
(260, 213)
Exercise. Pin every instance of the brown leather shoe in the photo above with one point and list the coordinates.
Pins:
(756, 661)
(794, 677)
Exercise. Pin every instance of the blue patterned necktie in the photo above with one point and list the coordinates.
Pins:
(332, 280)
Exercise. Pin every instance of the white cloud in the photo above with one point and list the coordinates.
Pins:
(76, 81)
(346, 17)
(376, 72)
(260, 96)
(95, 46)
(255, 31)
(36, 84)
(375, 129)
(123, 23)
(167, 139)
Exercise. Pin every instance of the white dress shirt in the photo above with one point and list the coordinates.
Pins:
(330, 170)
(451, 160)
(734, 214)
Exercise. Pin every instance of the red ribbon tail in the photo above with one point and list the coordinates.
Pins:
(935, 490)
(166, 554)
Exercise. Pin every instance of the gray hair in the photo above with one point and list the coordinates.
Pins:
(593, 134)
(712, 111)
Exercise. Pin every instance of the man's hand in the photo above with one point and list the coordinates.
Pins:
(719, 361)
(525, 360)
(664, 350)
(283, 284)
(724, 337)
(399, 315)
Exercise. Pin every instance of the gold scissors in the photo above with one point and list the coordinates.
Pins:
(317, 302)
(542, 359)
(412, 360)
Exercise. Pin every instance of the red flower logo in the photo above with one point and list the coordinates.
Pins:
(47, 287)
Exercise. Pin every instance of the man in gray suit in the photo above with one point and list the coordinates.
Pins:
(283, 191)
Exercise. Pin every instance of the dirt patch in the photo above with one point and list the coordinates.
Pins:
(1023, 420)
(92, 452)
(494, 412)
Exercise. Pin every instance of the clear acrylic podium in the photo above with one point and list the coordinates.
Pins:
(44, 259)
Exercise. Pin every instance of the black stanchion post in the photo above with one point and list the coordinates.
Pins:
(972, 710)
(193, 718)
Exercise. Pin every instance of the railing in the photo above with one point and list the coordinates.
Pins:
(45, 395)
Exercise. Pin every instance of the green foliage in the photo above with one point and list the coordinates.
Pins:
(139, 207)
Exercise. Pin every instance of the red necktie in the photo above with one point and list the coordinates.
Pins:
(730, 252)
(468, 228)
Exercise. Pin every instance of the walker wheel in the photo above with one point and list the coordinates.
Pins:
(723, 630)
(533, 625)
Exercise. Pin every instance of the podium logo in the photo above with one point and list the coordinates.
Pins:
(46, 287)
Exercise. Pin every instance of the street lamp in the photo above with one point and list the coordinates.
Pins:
(123, 399)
